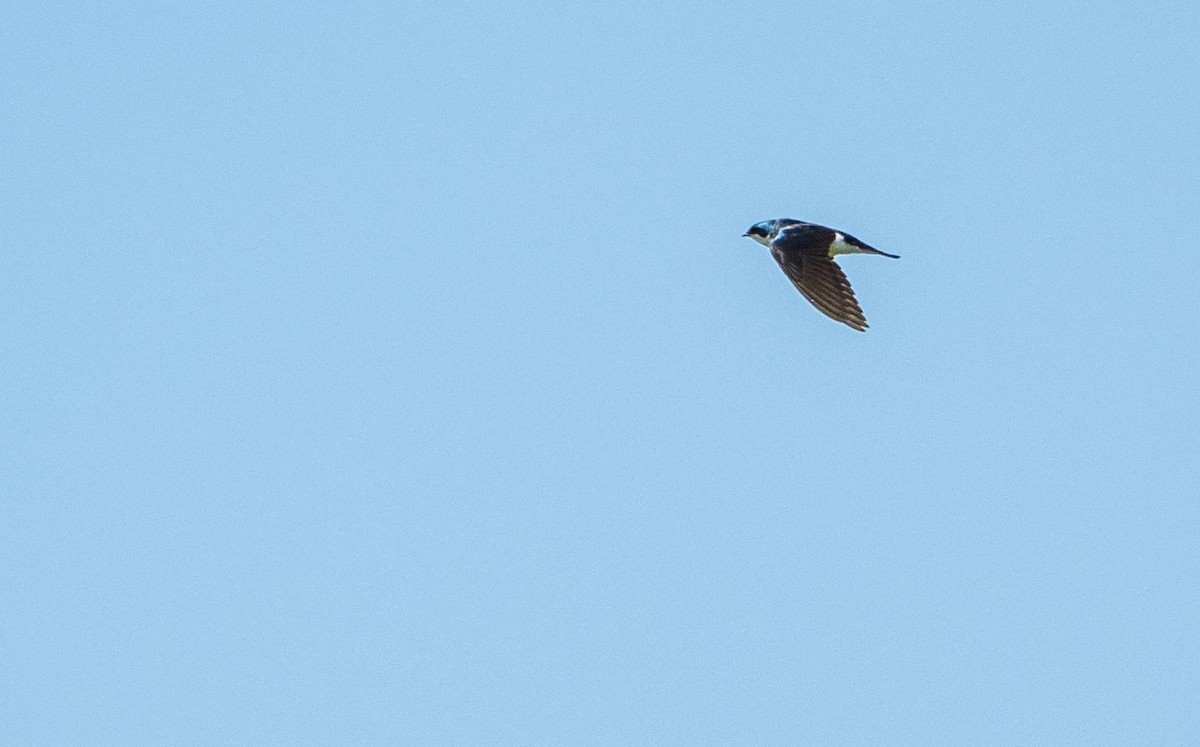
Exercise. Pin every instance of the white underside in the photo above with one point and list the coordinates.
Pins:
(839, 246)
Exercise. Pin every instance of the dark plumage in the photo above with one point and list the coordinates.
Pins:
(806, 253)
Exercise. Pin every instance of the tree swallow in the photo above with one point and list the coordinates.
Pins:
(805, 251)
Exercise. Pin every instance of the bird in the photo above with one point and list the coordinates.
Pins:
(806, 253)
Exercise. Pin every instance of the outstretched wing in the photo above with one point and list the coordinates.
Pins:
(824, 284)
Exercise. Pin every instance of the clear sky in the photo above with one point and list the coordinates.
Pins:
(397, 373)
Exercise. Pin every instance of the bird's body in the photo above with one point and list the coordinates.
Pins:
(805, 251)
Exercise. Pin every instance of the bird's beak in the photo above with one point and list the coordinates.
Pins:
(745, 234)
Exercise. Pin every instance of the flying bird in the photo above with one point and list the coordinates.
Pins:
(805, 251)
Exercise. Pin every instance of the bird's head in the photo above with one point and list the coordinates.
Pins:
(763, 232)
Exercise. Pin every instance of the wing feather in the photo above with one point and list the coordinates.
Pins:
(821, 281)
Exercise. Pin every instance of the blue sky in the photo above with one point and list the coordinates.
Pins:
(397, 373)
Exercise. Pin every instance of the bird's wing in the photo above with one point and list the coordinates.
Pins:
(825, 286)
(804, 238)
